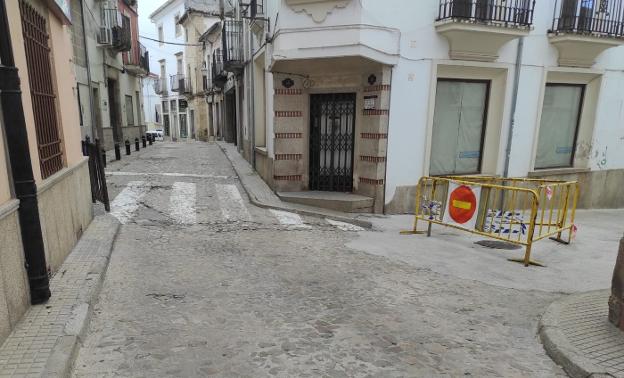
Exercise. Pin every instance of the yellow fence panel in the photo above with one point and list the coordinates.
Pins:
(515, 210)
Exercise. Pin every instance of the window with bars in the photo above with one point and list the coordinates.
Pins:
(35, 32)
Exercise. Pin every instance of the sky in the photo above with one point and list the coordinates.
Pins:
(146, 28)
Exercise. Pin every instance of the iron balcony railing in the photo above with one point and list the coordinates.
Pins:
(600, 17)
(138, 56)
(180, 84)
(256, 8)
(233, 45)
(503, 12)
(160, 86)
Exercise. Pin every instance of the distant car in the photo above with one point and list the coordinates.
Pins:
(158, 134)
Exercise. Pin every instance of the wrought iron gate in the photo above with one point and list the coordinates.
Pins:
(332, 137)
(99, 191)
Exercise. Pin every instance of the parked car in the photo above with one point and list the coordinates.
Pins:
(158, 134)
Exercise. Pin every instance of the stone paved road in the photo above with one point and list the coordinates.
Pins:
(201, 283)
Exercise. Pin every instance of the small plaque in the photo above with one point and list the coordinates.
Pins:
(370, 102)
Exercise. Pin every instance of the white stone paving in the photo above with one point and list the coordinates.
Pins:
(125, 205)
(231, 203)
(290, 220)
(182, 203)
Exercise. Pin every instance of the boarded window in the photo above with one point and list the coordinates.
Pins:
(559, 125)
(35, 32)
(458, 127)
(129, 111)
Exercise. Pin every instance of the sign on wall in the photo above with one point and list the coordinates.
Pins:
(462, 204)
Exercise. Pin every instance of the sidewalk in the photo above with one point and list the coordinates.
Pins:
(578, 336)
(45, 341)
(262, 196)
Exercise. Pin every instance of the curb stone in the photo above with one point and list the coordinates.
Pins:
(64, 352)
(311, 212)
(559, 348)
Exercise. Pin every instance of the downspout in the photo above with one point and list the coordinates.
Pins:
(21, 167)
(252, 102)
(514, 103)
(94, 131)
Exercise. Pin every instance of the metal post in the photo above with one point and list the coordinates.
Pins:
(14, 126)
(136, 144)
(144, 140)
(127, 147)
(117, 151)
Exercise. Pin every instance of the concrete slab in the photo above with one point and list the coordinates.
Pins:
(586, 264)
(346, 202)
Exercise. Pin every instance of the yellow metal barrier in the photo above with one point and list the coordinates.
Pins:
(516, 210)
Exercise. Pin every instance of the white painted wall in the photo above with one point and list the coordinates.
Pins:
(421, 49)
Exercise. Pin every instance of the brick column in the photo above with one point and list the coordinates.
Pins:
(372, 139)
(289, 141)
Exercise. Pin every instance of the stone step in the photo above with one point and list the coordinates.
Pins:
(344, 202)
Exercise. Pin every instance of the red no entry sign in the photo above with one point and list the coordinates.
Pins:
(462, 204)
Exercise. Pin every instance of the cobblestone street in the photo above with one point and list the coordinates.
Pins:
(202, 283)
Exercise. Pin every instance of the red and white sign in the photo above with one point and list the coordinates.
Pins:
(462, 205)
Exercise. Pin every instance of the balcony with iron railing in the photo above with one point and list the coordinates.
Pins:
(477, 29)
(219, 75)
(180, 84)
(583, 29)
(136, 61)
(589, 17)
(497, 12)
(160, 86)
(114, 30)
(232, 42)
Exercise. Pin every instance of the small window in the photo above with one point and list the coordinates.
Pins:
(174, 107)
(458, 127)
(178, 27)
(561, 113)
(161, 36)
(129, 111)
(165, 107)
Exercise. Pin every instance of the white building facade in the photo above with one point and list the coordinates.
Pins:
(179, 62)
(109, 63)
(366, 97)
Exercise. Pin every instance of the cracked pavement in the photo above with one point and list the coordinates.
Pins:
(256, 298)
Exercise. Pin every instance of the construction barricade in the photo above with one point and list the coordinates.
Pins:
(515, 210)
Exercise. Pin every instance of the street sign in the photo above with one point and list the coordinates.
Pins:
(462, 205)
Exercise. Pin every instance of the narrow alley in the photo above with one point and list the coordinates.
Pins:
(203, 283)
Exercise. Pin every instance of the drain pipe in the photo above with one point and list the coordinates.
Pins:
(14, 126)
(514, 103)
(94, 130)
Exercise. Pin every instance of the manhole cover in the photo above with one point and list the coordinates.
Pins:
(498, 244)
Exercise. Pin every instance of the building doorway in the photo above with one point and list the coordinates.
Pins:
(183, 126)
(230, 118)
(192, 121)
(166, 124)
(332, 138)
(113, 109)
